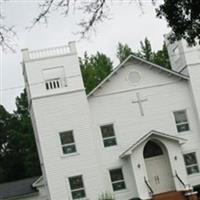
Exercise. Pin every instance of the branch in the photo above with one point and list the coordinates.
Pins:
(97, 12)
(7, 38)
(45, 10)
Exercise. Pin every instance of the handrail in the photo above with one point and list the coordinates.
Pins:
(148, 185)
(180, 180)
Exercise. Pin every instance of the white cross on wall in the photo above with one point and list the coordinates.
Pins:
(140, 101)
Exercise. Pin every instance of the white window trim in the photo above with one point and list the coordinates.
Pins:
(110, 137)
(62, 79)
(176, 55)
(69, 187)
(197, 164)
(48, 81)
(64, 145)
(187, 122)
(122, 180)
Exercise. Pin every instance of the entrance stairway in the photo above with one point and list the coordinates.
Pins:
(174, 195)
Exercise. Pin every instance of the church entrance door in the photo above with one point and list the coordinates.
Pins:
(158, 168)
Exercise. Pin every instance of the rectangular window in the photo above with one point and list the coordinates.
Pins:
(181, 121)
(117, 179)
(77, 187)
(53, 84)
(176, 53)
(108, 135)
(67, 142)
(54, 78)
(191, 163)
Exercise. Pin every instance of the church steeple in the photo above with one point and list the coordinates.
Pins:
(52, 71)
(182, 55)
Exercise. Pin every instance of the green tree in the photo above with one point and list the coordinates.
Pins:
(161, 57)
(18, 154)
(31, 160)
(94, 69)
(123, 51)
(183, 16)
(11, 159)
(146, 50)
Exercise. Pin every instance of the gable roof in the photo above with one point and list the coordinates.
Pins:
(141, 60)
(145, 137)
(17, 188)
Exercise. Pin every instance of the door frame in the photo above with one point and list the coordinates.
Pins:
(164, 156)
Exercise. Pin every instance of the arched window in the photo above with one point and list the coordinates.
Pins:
(152, 149)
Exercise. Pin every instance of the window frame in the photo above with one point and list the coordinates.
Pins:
(53, 84)
(109, 137)
(79, 189)
(192, 165)
(69, 144)
(181, 123)
(118, 181)
(61, 79)
(176, 53)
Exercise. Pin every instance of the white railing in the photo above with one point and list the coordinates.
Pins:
(49, 52)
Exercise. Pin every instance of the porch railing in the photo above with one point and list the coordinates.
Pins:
(148, 186)
(180, 180)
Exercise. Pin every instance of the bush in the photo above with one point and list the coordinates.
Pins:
(106, 196)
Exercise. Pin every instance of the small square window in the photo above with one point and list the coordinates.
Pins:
(108, 135)
(67, 142)
(117, 179)
(176, 53)
(77, 187)
(181, 121)
(191, 163)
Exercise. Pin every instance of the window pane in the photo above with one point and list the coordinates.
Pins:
(183, 127)
(107, 131)
(180, 116)
(119, 186)
(152, 149)
(78, 194)
(190, 159)
(76, 182)
(116, 175)
(69, 149)
(67, 137)
(110, 142)
(192, 170)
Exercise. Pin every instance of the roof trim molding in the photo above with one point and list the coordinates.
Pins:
(129, 150)
(141, 60)
(38, 182)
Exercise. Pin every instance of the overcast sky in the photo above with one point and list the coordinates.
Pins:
(127, 24)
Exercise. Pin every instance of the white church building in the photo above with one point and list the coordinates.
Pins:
(135, 136)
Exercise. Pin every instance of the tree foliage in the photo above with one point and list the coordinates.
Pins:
(159, 57)
(94, 69)
(183, 16)
(123, 51)
(146, 50)
(18, 154)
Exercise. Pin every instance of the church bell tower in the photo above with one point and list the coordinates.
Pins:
(60, 116)
(185, 60)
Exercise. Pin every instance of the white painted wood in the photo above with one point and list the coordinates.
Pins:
(159, 174)
(139, 101)
(68, 108)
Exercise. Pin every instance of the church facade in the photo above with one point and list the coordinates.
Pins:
(136, 135)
